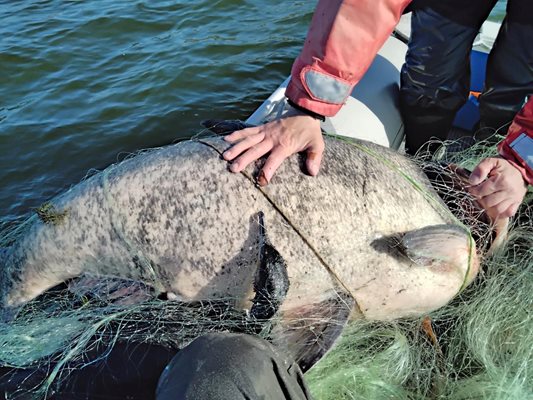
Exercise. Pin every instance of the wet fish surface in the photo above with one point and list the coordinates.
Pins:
(366, 238)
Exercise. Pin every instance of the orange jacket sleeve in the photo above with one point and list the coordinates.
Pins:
(343, 39)
(517, 147)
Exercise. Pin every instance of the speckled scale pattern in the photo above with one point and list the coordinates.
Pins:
(173, 217)
(347, 210)
(176, 219)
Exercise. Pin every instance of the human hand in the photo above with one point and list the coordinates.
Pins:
(282, 138)
(498, 187)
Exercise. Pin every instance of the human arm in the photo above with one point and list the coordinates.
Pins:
(342, 41)
(500, 184)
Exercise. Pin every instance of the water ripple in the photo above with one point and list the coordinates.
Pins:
(84, 80)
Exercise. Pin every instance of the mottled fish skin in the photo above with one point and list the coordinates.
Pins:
(176, 219)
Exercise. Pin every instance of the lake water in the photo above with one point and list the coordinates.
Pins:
(84, 83)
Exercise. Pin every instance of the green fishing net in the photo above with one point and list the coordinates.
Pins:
(478, 346)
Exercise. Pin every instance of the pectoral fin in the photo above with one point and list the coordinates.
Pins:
(309, 332)
(271, 279)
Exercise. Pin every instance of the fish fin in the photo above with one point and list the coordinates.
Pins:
(309, 332)
(271, 281)
(224, 127)
(442, 246)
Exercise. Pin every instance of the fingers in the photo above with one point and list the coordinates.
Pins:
(252, 145)
(281, 138)
(510, 211)
(505, 208)
(493, 199)
(249, 156)
(482, 171)
(272, 164)
(242, 146)
(314, 157)
(484, 189)
(242, 134)
(497, 200)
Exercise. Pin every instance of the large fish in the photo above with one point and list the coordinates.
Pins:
(367, 238)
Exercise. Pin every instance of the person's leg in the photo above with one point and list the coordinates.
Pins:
(435, 77)
(225, 366)
(509, 68)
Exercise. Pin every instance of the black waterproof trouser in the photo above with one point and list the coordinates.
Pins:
(217, 366)
(225, 366)
(436, 75)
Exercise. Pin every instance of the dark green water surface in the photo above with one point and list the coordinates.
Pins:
(82, 82)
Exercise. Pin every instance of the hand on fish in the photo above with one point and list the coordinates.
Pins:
(282, 138)
(498, 187)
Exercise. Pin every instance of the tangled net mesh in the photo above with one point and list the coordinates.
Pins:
(481, 346)
(478, 346)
